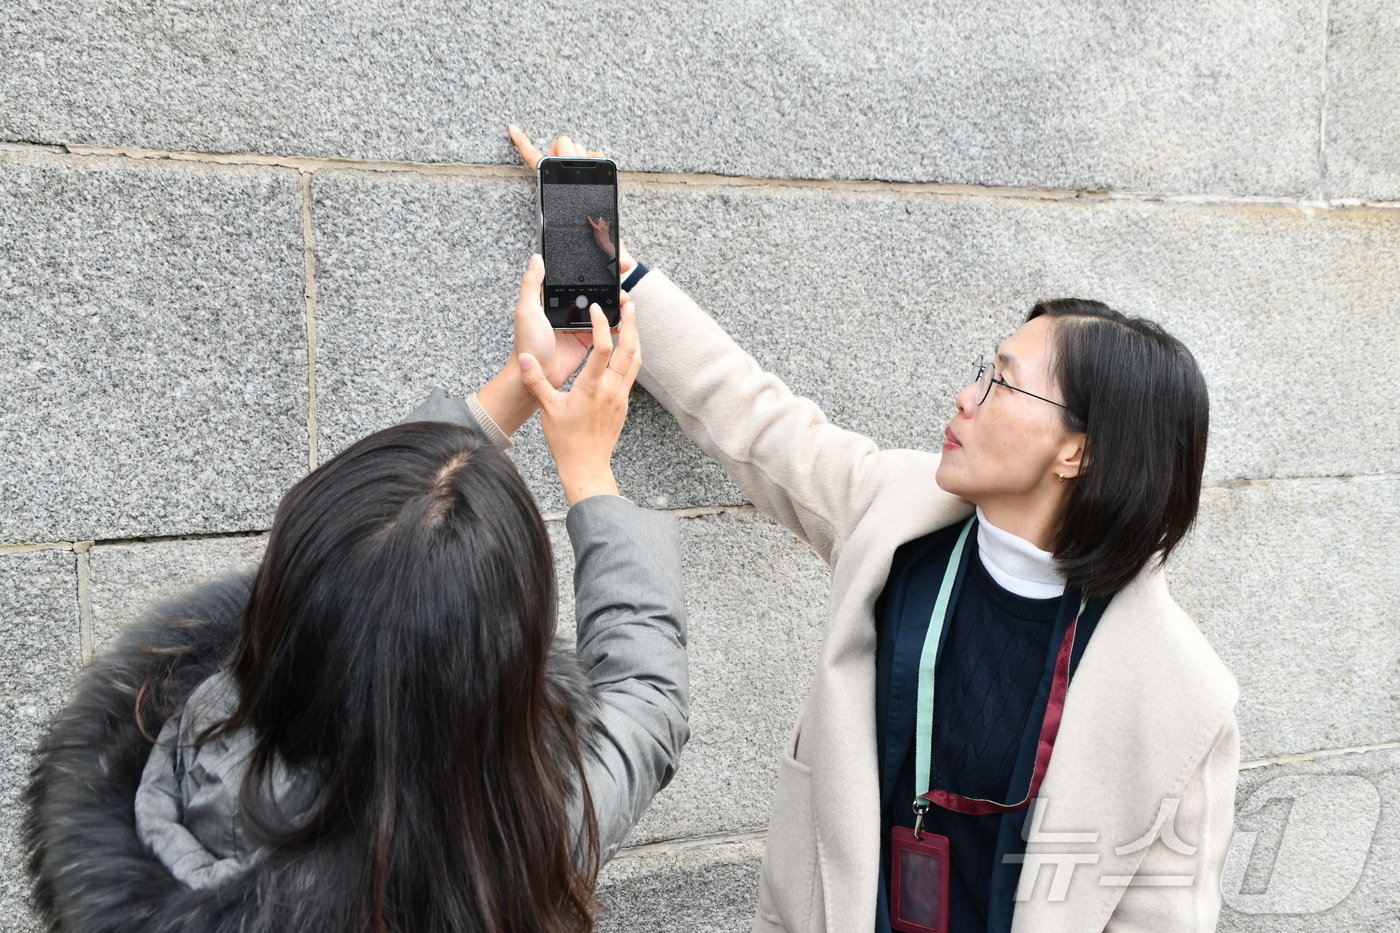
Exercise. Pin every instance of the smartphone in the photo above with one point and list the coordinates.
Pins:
(578, 239)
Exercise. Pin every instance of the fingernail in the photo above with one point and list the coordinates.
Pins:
(526, 362)
(534, 261)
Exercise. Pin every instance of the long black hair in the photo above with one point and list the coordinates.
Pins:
(1139, 398)
(394, 650)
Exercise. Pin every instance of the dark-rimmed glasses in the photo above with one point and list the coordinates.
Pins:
(986, 377)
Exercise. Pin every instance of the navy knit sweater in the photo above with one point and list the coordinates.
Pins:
(991, 669)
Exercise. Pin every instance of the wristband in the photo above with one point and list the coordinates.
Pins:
(634, 277)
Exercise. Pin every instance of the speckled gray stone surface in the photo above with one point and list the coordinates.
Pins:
(417, 281)
(1294, 585)
(756, 604)
(127, 580)
(877, 306)
(1316, 862)
(706, 889)
(1170, 95)
(416, 285)
(1362, 154)
(38, 657)
(153, 360)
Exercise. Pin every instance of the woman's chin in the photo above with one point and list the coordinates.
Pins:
(947, 479)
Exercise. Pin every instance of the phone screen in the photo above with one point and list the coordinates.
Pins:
(578, 212)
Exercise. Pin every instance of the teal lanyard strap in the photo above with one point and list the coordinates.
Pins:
(923, 742)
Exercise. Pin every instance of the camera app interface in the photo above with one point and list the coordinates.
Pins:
(580, 243)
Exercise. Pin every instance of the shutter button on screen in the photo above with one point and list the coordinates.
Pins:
(578, 314)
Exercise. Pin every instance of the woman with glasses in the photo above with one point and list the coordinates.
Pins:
(1011, 725)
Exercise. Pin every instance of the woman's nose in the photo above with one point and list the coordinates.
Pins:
(963, 400)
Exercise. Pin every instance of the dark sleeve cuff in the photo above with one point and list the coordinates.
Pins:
(634, 277)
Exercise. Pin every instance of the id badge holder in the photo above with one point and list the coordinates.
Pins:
(919, 880)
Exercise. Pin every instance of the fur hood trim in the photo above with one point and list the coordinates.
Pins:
(91, 872)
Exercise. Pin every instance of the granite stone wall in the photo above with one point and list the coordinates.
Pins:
(235, 236)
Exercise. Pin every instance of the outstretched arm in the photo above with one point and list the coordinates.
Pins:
(627, 585)
(813, 477)
(632, 647)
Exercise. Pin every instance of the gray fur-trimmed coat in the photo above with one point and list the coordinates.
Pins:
(626, 678)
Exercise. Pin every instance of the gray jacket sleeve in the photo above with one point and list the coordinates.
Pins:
(630, 604)
(467, 412)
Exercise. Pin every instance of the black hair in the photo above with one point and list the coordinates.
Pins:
(1139, 398)
(394, 649)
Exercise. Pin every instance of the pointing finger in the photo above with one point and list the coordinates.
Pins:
(627, 353)
(601, 356)
(528, 151)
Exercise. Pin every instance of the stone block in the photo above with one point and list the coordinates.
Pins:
(129, 579)
(154, 355)
(1362, 124)
(877, 305)
(1294, 584)
(38, 659)
(1315, 846)
(711, 888)
(417, 280)
(756, 607)
(1166, 96)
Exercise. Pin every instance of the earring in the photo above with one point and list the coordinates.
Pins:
(1062, 477)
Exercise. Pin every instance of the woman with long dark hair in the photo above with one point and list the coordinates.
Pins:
(1012, 726)
(377, 731)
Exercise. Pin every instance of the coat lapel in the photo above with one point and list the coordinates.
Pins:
(1140, 715)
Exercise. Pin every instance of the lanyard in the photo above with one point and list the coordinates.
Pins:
(923, 751)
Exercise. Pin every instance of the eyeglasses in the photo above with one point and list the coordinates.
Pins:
(985, 378)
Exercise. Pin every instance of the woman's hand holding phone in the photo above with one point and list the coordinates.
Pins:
(582, 425)
(558, 353)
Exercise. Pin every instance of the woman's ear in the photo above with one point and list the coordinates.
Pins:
(1069, 462)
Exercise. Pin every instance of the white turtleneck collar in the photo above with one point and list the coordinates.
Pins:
(1016, 564)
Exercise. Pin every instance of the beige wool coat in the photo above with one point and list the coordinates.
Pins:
(1149, 722)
